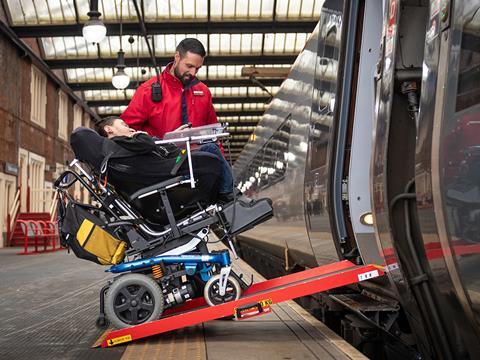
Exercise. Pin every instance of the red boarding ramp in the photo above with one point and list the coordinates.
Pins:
(256, 300)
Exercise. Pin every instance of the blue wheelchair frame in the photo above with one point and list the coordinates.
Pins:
(192, 262)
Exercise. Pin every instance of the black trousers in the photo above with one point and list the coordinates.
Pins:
(131, 174)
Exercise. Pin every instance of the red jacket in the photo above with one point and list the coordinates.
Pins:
(159, 118)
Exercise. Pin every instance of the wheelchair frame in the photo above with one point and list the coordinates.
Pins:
(145, 241)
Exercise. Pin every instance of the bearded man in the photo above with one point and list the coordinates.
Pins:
(184, 101)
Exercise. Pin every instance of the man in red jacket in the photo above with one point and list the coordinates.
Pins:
(185, 99)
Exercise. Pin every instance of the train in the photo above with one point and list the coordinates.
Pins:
(370, 152)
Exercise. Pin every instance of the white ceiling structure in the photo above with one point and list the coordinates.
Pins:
(236, 34)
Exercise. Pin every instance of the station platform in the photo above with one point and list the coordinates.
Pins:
(50, 304)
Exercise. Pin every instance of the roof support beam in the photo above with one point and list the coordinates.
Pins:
(210, 83)
(198, 27)
(146, 61)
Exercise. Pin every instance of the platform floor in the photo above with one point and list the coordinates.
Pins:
(50, 303)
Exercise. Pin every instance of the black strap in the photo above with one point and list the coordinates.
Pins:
(104, 165)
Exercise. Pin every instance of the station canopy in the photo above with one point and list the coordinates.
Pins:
(262, 37)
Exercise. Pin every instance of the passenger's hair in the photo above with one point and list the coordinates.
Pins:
(100, 125)
(192, 45)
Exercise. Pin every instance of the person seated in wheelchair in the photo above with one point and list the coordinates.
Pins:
(117, 130)
(143, 163)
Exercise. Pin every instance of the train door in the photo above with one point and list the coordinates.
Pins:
(448, 166)
(321, 132)
(360, 209)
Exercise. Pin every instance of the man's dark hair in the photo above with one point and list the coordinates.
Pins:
(192, 45)
(100, 125)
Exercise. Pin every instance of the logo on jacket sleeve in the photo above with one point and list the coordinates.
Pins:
(197, 92)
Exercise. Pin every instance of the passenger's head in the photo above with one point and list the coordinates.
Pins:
(112, 126)
(188, 59)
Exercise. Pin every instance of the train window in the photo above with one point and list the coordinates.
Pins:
(468, 91)
(325, 82)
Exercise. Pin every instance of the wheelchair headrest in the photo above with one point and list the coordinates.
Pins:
(92, 148)
(87, 146)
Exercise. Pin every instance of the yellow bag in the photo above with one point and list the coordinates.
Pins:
(97, 242)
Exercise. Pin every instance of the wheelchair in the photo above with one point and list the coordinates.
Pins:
(156, 266)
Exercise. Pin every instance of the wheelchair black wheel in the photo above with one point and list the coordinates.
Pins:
(133, 299)
(212, 291)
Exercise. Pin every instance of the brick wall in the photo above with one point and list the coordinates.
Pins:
(17, 131)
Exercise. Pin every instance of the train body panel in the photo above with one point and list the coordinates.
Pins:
(381, 114)
(447, 166)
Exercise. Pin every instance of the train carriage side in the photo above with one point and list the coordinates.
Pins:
(424, 106)
(310, 154)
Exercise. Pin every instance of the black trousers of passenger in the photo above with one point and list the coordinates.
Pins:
(132, 174)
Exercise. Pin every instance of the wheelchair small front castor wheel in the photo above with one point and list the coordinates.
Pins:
(102, 322)
(212, 291)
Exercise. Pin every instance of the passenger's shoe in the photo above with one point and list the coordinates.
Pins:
(225, 198)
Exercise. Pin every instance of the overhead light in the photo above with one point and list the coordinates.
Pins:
(94, 30)
(120, 80)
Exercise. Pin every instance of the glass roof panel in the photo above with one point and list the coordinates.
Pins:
(41, 11)
(83, 8)
(254, 8)
(307, 8)
(63, 11)
(294, 8)
(239, 119)
(298, 9)
(239, 106)
(176, 9)
(106, 110)
(276, 43)
(228, 10)
(220, 44)
(109, 94)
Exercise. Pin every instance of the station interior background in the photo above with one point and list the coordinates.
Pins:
(54, 80)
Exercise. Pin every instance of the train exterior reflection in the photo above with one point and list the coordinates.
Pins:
(404, 71)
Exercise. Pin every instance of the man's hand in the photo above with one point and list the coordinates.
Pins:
(134, 132)
(181, 127)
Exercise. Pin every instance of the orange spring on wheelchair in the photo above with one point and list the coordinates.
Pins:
(157, 271)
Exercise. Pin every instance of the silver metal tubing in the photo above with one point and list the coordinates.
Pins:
(190, 167)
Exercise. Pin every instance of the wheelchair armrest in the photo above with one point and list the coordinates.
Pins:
(164, 185)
